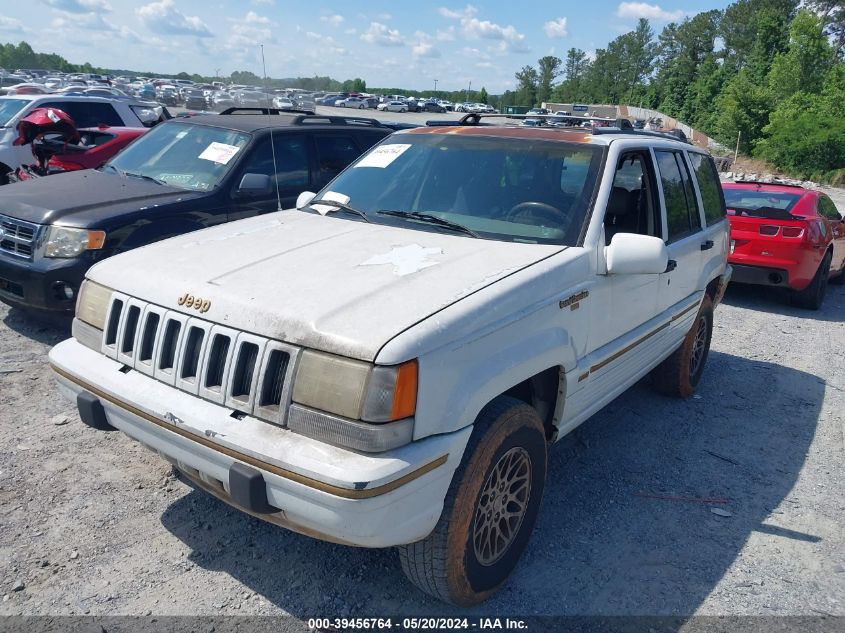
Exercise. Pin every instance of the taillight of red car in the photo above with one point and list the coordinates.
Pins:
(772, 230)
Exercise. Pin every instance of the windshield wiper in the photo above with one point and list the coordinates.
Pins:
(112, 167)
(143, 176)
(341, 207)
(429, 218)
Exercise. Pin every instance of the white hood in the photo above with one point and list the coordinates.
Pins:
(328, 283)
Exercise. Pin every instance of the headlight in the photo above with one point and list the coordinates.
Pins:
(93, 304)
(354, 389)
(64, 241)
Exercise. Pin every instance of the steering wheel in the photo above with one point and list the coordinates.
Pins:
(539, 210)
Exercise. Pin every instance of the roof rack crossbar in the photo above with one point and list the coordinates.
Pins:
(337, 120)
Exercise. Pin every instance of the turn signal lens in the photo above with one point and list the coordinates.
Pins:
(391, 393)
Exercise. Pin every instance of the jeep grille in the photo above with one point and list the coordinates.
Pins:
(247, 373)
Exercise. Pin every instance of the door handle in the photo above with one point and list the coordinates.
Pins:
(670, 266)
(707, 245)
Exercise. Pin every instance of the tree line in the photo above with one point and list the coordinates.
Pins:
(768, 73)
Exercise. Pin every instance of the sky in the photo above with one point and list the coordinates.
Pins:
(390, 44)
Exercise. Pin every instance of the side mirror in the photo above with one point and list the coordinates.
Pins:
(305, 199)
(634, 254)
(254, 185)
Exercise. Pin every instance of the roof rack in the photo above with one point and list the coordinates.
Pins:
(305, 117)
(622, 126)
(319, 119)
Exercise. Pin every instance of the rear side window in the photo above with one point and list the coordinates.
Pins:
(289, 165)
(827, 209)
(334, 153)
(87, 114)
(709, 186)
(681, 209)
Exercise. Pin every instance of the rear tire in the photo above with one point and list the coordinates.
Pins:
(812, 297)
(489, 511)
(839, 280)
(680, 374)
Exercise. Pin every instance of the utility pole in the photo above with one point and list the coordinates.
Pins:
(435, 88)
(469, 89)
(736, 152)
(217, 73)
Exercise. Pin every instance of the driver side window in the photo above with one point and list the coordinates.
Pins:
(632, 206)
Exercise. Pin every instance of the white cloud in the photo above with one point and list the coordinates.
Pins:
(334, 20)
(473, 28)
(445, 36)
(639, 10)
(264, 2)
(95, 25)
(425, 46)
(380, 34)
(164, 17)
(351, 31)
(79, 6)
(467, 12)
(11, 25)
(384, 17)
(556, 28)
(248, 31)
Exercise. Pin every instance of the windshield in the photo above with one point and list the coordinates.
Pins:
(764, 204)
(513, 189)
(9, 108)
(188, 156)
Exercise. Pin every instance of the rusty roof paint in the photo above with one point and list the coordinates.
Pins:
(569, 135)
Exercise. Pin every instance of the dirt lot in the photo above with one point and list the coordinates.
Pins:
(93, 523)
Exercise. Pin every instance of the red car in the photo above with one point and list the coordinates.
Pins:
(58, 145)
(785, 236)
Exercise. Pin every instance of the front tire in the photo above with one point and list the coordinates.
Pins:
(812, 297)
(680, 374)
(489, 511)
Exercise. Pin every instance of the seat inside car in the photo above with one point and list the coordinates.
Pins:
(623, 213)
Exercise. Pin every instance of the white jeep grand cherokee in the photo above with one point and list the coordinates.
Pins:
(388, 364)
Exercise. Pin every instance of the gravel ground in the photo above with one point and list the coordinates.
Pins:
(94, 523)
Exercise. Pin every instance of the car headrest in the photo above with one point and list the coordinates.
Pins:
(620, 202)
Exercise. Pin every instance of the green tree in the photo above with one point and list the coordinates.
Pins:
(527, 80)
(576, 64)
(804, 66)
(483, 97)
(549, 70)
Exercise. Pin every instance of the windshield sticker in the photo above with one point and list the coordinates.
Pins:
(406, 259)
(220, 153)
(329, 196)
(383, 155)
(182, 179)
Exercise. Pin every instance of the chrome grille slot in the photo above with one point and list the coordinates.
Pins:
(243, 376)
(148, 334)
(217, 361)
(191, 355)
(244, 370)
(114, 322)
(18, 237)
(271, 386)
(127, 345)
(168, 347)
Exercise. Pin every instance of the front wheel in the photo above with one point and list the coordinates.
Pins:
(680, 374)
(489, 511)
(403, 110)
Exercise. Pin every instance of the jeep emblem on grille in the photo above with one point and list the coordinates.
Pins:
(197, 303)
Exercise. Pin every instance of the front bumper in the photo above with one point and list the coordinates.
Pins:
(370, 500)
(38, 284)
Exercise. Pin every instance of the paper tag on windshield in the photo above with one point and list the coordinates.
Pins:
(219, 153)
(383, 155)
(330, 196)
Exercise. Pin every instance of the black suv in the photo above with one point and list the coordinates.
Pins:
(183, 175)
